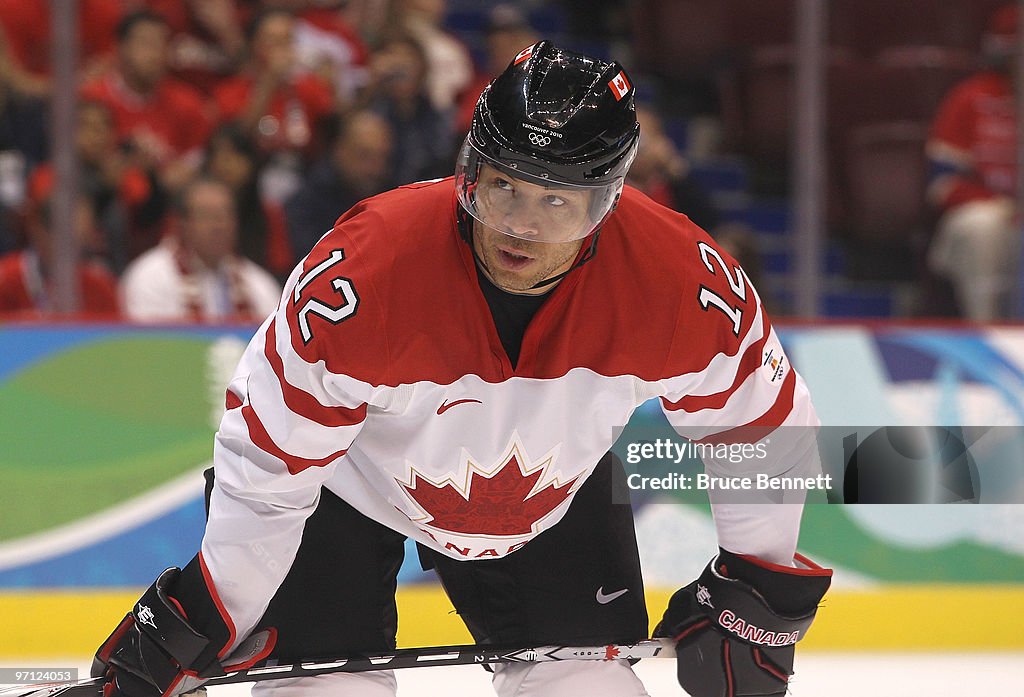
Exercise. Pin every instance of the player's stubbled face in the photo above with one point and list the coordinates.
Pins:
(518, 215)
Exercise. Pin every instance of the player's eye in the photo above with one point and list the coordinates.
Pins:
(503, 184)
(553, 200)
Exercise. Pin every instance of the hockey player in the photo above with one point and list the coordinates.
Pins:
(451, 363)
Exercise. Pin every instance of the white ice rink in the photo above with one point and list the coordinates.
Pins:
(818, 675)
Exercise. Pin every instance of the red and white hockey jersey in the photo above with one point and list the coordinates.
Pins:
(973, 142)
(382, 377)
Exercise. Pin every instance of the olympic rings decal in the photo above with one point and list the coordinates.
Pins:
(539, 140)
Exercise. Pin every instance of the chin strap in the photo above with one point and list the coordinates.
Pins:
(465, 226)
(588, 254)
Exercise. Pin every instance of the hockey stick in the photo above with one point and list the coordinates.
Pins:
(399, 658)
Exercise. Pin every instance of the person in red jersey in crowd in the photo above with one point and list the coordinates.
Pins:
(162, 122)
(26, 276)
(327, 44)
(195, 273)
(207, 40)
(276, 104)
(972, 151)
(120, 191)
(27, 29)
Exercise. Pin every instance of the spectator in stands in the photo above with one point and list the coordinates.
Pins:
(126, 205)
(662, 172)
(207, 42)
(278, 106)
(357, 167)
(449, 67)
(327, 44)
(23, 144)
(195, 274)
(369, 18)
(26, 276)
(506, 33)
(424, 141)
(162, 122)
(972, 154)
(232, 157)
(27, 30)
(23, 113)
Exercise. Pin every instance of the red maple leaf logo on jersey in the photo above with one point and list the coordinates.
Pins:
(501, 502)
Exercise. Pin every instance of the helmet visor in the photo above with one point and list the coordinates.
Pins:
(530, 207)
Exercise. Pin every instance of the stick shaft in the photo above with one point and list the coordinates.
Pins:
(451, 656)
(399, 658)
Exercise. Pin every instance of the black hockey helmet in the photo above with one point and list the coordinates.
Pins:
(556, 119)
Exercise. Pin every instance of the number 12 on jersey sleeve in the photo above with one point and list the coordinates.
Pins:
(315, 306)
(707, 297)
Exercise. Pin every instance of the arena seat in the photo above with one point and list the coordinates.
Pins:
(875, 25)
(885, 173)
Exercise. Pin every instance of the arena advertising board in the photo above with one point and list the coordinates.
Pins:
(107, 430)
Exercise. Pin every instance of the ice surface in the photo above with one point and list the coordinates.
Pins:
(818, 675)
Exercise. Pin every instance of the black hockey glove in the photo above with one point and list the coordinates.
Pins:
(736, 626)
(157, 650)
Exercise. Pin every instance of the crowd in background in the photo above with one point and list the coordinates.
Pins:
(217, 140)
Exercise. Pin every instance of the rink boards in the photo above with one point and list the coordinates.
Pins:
(107, 427)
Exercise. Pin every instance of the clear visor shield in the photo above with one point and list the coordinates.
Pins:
(528, 207)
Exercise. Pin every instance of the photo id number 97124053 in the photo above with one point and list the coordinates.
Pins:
(27, 676)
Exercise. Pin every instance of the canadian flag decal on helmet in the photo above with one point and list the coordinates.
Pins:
(620, 85)
(523, 55)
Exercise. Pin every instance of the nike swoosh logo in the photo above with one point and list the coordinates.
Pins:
(605, 599)
(446, 405)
